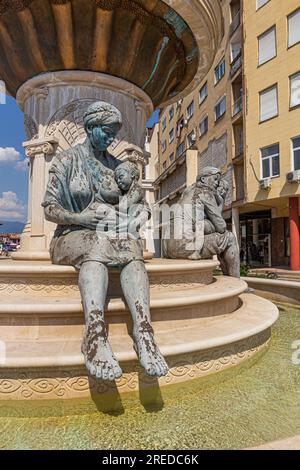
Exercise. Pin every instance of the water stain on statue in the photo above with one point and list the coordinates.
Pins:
(139, 309)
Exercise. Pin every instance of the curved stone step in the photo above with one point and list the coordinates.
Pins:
(254, 317)
(221, 290)
(39, 279)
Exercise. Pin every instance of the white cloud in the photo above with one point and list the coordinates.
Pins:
(11, 208)
(22, 165)
(9, 155)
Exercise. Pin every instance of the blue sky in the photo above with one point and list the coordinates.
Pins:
(13, 167)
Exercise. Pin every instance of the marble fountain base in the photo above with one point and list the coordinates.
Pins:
(203, 325)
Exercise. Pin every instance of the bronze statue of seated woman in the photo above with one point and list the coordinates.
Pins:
(81, 193)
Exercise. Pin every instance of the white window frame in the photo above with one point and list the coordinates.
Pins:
(273, 28)
(297, 74)
(258, 7)
(171, 135)
(217, 104)
(293, 150)
(190, 110)
(269, 157)
(204, 87)
(217, 68)
(202, 120)
(183, 146)
(260, 103)
(295, 12)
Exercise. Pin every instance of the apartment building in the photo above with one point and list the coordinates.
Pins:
(245, 119)
(272, 158)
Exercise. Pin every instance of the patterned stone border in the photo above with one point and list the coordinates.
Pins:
(50, 383)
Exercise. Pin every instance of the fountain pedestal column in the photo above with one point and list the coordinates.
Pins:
(34, 240)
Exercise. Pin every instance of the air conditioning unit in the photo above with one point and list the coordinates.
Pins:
(180, 102)
(185, 122)
(293, 176)
(265, 183)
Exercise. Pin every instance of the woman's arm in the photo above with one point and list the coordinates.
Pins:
(57, 214)
(56, 197)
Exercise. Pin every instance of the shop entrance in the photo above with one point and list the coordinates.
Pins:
(255, 231)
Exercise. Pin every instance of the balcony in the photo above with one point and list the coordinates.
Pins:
(235, 23)
(237, 106)
(236, 64)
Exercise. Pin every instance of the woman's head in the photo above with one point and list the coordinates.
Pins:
(102, 122)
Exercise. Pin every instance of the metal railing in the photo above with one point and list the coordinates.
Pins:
(237, 106)
(235, 23)
(236, 64)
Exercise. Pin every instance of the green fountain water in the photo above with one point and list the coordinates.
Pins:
(245, 407)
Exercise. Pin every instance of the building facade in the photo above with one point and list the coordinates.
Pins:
(245, 119)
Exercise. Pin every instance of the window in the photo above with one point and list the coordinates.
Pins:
(164, 123)
(261, 3)
(295, 90)
(236, 49)
(220, 71)
(203, 126)
(180, 149)
(220, 108)
(179, 126)
(164, 146)
(270, 161)
(268, 104)
(296, 153)
(171, 157)
(190, 110)
(191, 139)
(294, 28)
(171, 136)
(164, 165)
(203, 93)
(267, 46)
(171, 113)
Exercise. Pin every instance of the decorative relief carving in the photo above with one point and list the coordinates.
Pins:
(37, 147)
(180, 282)
(26, 286)
(137, 157)
(73, 382)
(68, 286)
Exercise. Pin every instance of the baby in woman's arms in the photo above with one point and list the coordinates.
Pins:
(130, 205)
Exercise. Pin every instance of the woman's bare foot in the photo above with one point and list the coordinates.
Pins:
(100, 360)
(149, 354)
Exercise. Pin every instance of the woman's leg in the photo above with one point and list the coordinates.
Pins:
(135, 285)
(99, 358)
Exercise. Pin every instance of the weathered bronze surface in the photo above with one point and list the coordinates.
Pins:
(86, 187)
(198, 229)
